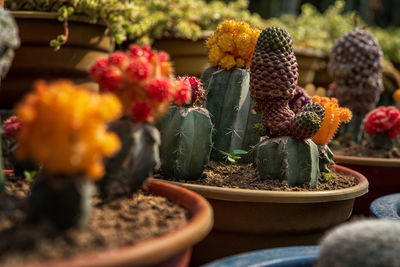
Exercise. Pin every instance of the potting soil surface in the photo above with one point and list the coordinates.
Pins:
(118, 223)
(246, 177)
(364, 151)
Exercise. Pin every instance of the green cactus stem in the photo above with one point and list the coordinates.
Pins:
(206, 76)
(185, 142)
(63, 200)
(230, 106)
(382, 141)
(9, 40)
(286, 158)
(134, 163)
(354, 128)
(325, 158)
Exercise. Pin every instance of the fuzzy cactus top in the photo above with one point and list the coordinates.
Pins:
(285, 107)
(9, 40)
(383, 120)
(12, 126)
(142, 79)
(65, 129)
(232, 44)
(196, 87)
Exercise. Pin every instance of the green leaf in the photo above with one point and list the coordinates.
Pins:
(239, 152)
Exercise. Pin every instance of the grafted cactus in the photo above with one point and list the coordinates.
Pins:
(186, 137)
(227, 86)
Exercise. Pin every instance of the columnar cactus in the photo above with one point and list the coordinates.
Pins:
(142, 79)
(70, 143)
(288, 116)
(186, 134)
(371, 243)
(382, 125)
(227, 85)
(8, 41)
(356, 67)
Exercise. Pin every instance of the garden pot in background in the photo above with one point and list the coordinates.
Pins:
(36, 59)
(386, 207)
(188, 57)
(172, 249)
(248, 220)
(383, 176)
(309, 62)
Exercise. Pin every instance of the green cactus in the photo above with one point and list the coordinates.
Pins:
(325, 158)
(305, 125)
(286, 158)
(70, 204)
(371, 243)
(185, 142)
(8, 41)
(260, 129)
(230, 106)
(134, 163)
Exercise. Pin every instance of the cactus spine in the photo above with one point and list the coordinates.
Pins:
(230, 106)
(185, 142)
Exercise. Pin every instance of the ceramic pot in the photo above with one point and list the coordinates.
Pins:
(247, 220)
(382, 174)
(35, 59)
(309, 61)
(188, 57)
(303, 256)
(172, 249)
(386, 207)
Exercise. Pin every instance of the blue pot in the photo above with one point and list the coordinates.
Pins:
(303, 256)
(387, 207)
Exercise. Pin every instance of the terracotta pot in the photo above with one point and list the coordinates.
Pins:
(173, 249)
(383, 176)
(309, 61)
(188, 57)
(247, 220)
(35, 59)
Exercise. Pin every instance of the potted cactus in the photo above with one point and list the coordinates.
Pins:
(186, 136)
(70, 143)
(381, 136)
(227, 86)
(248, 219)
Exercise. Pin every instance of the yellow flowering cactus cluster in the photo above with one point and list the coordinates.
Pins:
(334, 115)
(232, 44)
(64, 128)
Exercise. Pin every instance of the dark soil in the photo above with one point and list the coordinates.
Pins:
(364, 151)
(246, 177)
(118, 223)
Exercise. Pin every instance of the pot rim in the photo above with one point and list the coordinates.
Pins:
(155, 250)
(31, 14)
(249, 195)
(367, 161)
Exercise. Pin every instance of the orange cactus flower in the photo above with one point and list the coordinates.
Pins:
(396, 96)
(64, 128)
(334, 115)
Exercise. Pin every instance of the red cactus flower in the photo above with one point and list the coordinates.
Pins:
(383, 120)
(160, 90)
(141, 111)
(136, 51)
(12, 126)
(183, 93)
(96, 71)
(163, 57)
(138, 70)
(111, 80)
(117, 59)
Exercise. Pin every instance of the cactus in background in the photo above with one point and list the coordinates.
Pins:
(141, 78)
(70, 143)
(186, 136)
(288, 116)
(383, 127)
(334, 116)
(9, 40)
(371, 243)
(356, 67)
(227, 85)
(2, 181)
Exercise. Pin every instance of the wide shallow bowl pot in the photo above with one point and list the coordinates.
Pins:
(172, 249)
(255, 219)
(383, 176)
(303, 256)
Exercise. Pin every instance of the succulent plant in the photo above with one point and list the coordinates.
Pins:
(9, 40)
(370, 243)
(70, 143)
(227, 86)
(143, 21)
(186, 136)
(382, 125)
(142, 79)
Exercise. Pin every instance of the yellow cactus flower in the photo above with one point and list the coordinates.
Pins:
(232, 44)
(310, 89)
(320, 91)
(64, 128)
(334, 115)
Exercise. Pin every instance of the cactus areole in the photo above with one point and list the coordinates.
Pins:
(288, 154)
